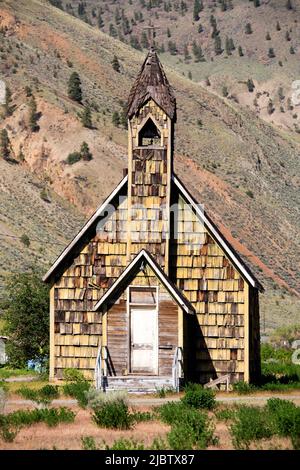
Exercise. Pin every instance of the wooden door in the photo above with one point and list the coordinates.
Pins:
(143, 344)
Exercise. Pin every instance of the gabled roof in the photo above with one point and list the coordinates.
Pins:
(152, 83)
(218, 237)
(132, 269)
(100, 212)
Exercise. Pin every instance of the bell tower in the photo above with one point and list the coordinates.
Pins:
(151, 116)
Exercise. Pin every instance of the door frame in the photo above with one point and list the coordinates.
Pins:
(131, 305)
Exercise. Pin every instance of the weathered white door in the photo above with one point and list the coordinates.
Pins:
(143, 340)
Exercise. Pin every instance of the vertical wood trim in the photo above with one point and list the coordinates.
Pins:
(246, 333)
(129, 202)
(104, 329)
(180, 327)
(168, 202)
(51, 327)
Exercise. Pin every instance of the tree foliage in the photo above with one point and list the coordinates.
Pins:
(74, 87)
(26, 315)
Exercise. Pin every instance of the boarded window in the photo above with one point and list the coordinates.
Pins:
(142, 295)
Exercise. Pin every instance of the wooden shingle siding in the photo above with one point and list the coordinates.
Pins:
(216, 290)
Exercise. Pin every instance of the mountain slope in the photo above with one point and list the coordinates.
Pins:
(247, 56)
(244, 171)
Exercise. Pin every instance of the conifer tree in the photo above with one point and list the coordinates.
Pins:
(116, 118)
(33, 116)
(218, 45)
(248, 29)
(86, 117)
(4, 144)
(8, 109)
(74, 87)
(115, 64)
(241, 53)
(85, 152)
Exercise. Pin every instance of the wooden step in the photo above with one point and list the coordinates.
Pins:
(138, 384)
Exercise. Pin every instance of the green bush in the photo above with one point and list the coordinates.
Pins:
(43, 395)
(77, 386)
(243, 388)
(190, 428)
(199, 398)
(114, 415)
(226, 414)
(73, 157)
(125, 444)
(285, 416)
(12, 422)
(171, 412)
(139, 416)
(250, 424)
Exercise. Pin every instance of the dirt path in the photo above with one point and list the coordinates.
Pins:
(144, 402)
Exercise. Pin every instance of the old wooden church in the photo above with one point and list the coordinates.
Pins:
(149, 293)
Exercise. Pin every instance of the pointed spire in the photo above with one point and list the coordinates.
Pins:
(152, 83)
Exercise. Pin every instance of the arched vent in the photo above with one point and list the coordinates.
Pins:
(149, 135)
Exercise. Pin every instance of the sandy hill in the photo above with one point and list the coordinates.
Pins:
(244, 170)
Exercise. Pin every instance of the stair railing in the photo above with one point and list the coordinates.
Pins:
(101, 368)
(177, 368)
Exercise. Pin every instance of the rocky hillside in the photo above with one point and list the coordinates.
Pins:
(242, 169)
(246, 50)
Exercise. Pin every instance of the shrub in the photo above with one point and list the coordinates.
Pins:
(98, 398)
(88, 443)
(73, 157)
(43, 395)
(250, 424)
(113, 414)
(125, 444)
(226, 414)
(199, 398)
(11, 423)
(139, 416)
(243, 388)
(191, 428)
(285, 416)
(77, 386)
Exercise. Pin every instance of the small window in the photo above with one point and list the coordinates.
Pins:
(149, 135)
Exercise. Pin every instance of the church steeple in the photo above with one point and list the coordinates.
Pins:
(152, 82)
(151, 115)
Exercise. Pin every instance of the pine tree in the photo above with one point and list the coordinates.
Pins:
(218, 45)
(241, 53)
(100, 21)
(198, 6)
(257, 3)
(292, 50)
(112, 31)
(116, 64)
(116, 119)
(8, 109)
(268, 36)
(197, 51)
(227, 46)
(248, 29)
(289, 5)
(287, 36)
(278, 27)
(168, 33)
(33, 117)
(271, 53)
(85, 152)
(4, 144)
(86, 117)
(250, 85)
(74, 87)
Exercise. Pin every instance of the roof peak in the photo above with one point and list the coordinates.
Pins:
(152, 82)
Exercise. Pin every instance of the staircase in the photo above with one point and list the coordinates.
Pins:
(137, 383)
